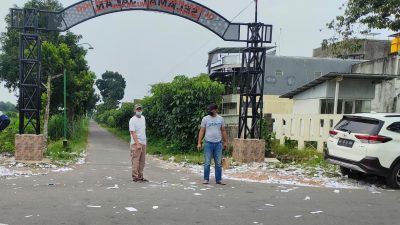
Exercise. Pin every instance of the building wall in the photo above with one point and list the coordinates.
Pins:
(272, 104)
(304, 128)
(365, 89)
(297, 71)
(387, 92)
(317, 92)
(371, 49)
(306, 106)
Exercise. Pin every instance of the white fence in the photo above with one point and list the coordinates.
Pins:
(304, 128)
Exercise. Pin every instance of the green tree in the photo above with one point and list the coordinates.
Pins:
(360, 17)
(59, 52)
(9, 42)
(112, 89)
(7, 107)
(175, 109)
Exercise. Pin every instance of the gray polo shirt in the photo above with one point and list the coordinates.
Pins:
(212, 127)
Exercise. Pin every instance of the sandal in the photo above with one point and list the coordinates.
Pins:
(221, 183)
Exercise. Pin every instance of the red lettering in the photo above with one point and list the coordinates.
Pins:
(83, 7)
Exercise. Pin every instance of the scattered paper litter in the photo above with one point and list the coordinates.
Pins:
(155, 206)
(62, 169)
(3, 224)
(109, 178)
(89, 189)
(336, 191)
(28, 216)
(298, 216)
(197, 193)
(5, 172)
(270, 205)
(93, 206)
(307, 198)
(316, 212)
(114, 187)
(131, 209)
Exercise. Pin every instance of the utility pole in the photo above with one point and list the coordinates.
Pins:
(65, 141)
(256, 20)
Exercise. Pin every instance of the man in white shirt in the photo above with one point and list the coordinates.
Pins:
(137, 128)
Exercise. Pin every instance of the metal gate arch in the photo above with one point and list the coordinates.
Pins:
(33, 21)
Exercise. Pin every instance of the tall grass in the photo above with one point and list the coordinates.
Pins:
(77, 142)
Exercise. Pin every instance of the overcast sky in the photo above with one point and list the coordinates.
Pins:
(148, 47)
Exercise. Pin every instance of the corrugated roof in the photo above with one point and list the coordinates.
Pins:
(331, 76)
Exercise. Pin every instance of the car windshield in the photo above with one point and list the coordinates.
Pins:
(359, 125)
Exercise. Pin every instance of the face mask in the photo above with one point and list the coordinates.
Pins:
(211, 113)
(139, 114)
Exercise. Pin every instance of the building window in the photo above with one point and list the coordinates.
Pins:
(327, 106)
(348, 107)
(345, 106)
(279, 73)
(363, 106)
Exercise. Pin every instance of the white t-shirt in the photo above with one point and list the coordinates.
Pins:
(139, 126)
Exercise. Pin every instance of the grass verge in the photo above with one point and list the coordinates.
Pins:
(76, 144)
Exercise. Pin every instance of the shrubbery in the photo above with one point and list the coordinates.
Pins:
(173, 111)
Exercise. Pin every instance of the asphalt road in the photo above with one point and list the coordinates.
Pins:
(101, 192)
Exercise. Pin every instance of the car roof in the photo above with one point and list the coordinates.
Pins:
(380, 116)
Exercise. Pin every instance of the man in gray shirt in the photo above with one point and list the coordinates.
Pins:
(213, 129)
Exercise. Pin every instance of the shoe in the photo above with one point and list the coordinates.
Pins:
(143, 180)
(135, 179)
(206, 182)
(221, 183)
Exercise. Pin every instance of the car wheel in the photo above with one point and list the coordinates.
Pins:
(345, 171)
(393, 180)
(352, 174)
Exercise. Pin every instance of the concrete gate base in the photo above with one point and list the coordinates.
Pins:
(29, 147)
(248, 150)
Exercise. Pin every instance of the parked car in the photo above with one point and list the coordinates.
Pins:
(368, 143)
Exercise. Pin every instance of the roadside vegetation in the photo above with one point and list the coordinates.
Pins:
(173, 113)
(77, 138)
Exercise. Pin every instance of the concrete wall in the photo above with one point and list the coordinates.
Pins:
(272, 104)
(306, 106)
(371, 49)
(304, 128)
(365, 89)
(387, 92)
(385, 65)
(317, 92)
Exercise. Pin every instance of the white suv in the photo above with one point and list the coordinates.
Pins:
(367, 143)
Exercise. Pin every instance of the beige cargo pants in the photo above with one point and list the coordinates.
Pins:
(138, 161)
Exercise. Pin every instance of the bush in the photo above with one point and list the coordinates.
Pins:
(175, 109)
(7, 136)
